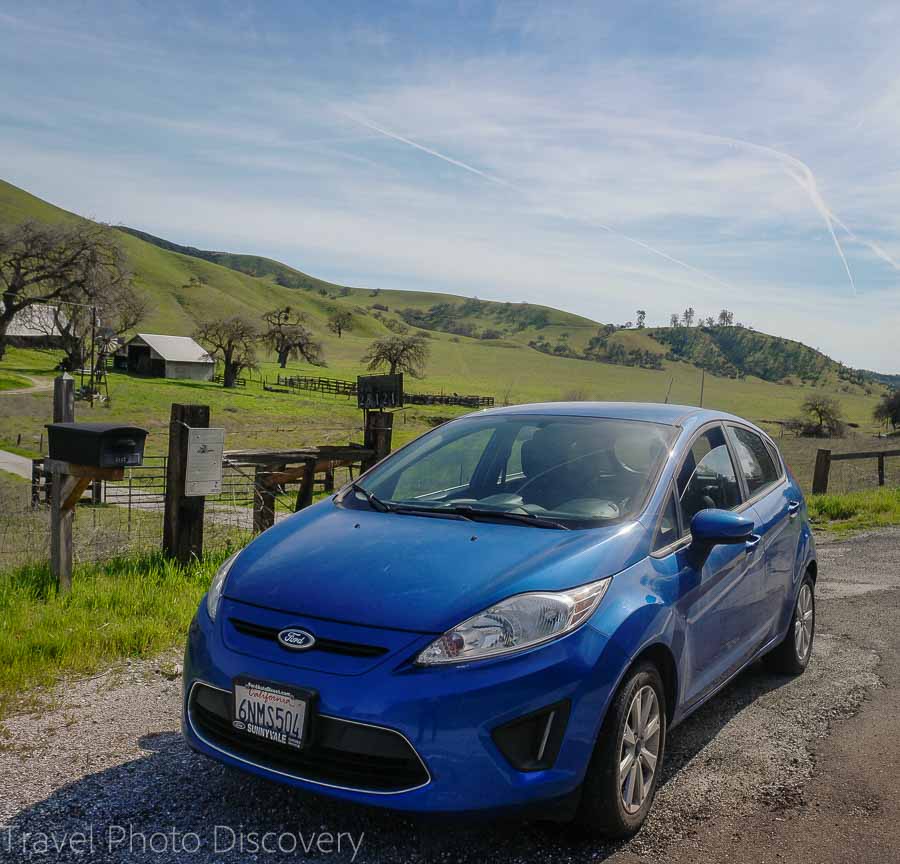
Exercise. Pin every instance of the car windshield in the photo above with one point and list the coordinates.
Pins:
(571, 471)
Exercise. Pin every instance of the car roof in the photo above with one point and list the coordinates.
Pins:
(653, 412)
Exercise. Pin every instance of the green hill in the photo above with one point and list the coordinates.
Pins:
(515, 351)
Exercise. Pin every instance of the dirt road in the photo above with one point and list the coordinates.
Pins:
(804, 770)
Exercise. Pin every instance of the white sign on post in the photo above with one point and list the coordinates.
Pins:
(203, 472)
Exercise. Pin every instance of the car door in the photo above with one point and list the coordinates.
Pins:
(714, 599)
(777, 506)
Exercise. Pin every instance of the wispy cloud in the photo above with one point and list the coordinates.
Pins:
(500, 181)
(596, 160)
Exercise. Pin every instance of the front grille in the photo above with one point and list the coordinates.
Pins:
(340, 752)
(333, 646)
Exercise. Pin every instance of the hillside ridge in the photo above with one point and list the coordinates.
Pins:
(730, 351)
(188, 284)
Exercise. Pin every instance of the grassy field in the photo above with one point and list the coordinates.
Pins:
(255, 418)
(121, 608)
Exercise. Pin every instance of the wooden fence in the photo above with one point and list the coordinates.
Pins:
(338, 387)
(331, 386)
(825, 457)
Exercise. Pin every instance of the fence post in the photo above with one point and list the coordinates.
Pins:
(881, 469)
(305, 492)
(37, 469)
(264, 497)
(183, 523)
(377, 436)
(822, 469)
(63, 399)
(61, 518)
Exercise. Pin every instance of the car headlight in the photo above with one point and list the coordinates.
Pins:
(516, 623)
(218, 583)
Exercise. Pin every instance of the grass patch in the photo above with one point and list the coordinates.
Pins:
(125, 607)
(19, 451)
(855, 511)
(12, 382)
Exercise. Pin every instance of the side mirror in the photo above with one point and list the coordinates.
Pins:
(714, 528)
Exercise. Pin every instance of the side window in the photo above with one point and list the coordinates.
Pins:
(707, 478)
(756, 462)
(667, 529)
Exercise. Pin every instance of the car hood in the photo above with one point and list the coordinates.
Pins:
(416, 573)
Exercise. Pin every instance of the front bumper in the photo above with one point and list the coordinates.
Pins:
(446, 716)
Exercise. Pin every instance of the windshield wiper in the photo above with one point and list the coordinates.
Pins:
(374, 501)
(523, 518)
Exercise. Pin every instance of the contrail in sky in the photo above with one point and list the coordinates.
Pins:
(804, 177)
(501, 182)
(388, 134)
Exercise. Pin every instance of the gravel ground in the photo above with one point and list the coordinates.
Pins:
(138, 794)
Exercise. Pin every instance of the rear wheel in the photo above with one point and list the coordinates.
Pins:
(791, 657)
(624, 771)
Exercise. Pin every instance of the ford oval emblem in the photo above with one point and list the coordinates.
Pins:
(296, 639)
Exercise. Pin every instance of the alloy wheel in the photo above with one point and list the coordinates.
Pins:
(639, 751)
(803, 622)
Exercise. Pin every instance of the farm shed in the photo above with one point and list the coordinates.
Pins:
(166, 357)
(35, 327)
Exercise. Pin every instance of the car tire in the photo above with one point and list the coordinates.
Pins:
(615, 798)
(791, 656)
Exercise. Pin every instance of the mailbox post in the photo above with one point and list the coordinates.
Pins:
(79, 454)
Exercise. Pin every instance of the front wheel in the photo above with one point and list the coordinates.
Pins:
(791, 657)
(624, 770)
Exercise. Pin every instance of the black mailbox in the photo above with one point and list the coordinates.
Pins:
(100, 445)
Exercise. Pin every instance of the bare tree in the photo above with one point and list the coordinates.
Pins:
(339, 322)
(641, 318)
(100, 313)
(288, 336)
(231, 340)
(400, 354)
(726, 318)
(674, 320)
(54, 264)
(688, 316)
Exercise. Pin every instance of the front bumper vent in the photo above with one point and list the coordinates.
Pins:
(342, 753)
(532, 742)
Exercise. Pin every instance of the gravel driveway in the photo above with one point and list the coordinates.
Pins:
(107, 762)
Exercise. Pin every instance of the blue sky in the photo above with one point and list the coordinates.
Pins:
(599, 157)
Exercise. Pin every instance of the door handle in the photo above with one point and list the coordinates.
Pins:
(752, 543)
(793, 509)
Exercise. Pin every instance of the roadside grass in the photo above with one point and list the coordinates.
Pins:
(121, 608)
(855, 511)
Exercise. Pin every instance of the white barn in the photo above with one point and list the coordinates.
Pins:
(166, 357)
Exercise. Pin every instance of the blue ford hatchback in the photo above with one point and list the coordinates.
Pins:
(512, 610)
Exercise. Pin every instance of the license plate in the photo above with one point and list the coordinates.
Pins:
(273, 712)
